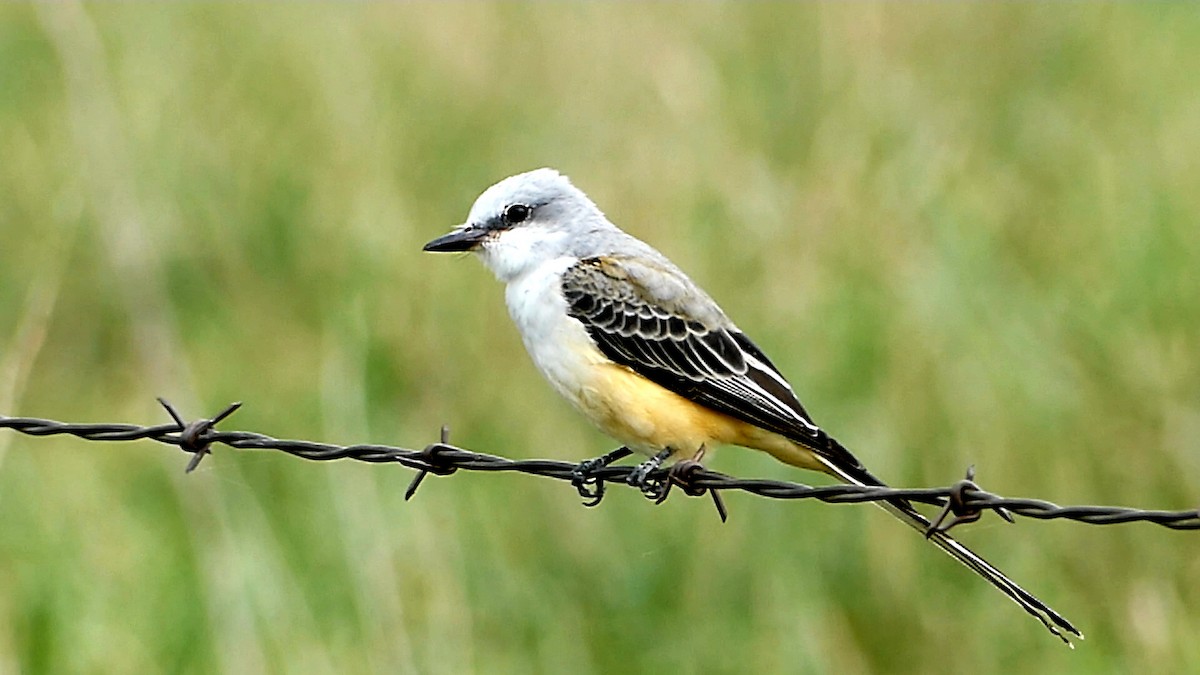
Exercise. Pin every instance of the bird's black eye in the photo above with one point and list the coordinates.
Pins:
(516, 213)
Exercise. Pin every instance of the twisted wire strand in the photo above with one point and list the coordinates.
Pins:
(965, 500)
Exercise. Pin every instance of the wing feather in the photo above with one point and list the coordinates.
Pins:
(682, 341)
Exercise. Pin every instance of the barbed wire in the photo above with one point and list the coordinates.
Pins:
(962, 502)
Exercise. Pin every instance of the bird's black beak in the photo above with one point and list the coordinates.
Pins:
(465, 238)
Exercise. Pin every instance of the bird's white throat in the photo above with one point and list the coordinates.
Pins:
(514, 253)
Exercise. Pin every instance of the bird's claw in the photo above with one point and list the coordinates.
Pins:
(640, 478)
(590, 487)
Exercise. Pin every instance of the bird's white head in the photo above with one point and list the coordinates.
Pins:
(523, 221)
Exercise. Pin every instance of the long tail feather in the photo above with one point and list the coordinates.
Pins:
(903, 510)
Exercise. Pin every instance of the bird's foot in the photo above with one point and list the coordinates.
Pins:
(640, 476)
(589, 486)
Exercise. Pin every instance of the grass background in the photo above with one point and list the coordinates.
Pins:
(968, 234)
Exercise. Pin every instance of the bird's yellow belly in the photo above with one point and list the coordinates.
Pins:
(648, 418)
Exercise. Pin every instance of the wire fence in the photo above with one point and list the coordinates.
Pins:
(962, 502)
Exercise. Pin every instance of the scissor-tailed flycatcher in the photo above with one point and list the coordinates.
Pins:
(648, 356)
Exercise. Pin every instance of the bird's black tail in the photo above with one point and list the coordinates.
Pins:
(903, 510)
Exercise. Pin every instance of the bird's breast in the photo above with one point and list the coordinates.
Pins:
(559, 345)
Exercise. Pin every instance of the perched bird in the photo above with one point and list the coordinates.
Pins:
(649, 357)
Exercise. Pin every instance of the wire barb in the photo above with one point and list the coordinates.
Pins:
(433, 463)
(193, 436)
(443, 459)
(683, 474)
(963, 512)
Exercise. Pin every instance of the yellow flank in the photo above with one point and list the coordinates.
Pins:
(647, 418)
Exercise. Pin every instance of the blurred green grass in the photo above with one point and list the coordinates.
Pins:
(967, 233)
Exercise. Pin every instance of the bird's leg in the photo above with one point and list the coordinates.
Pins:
(583, 480)
(641, 473)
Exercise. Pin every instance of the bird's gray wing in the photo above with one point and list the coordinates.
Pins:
(648, 316)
